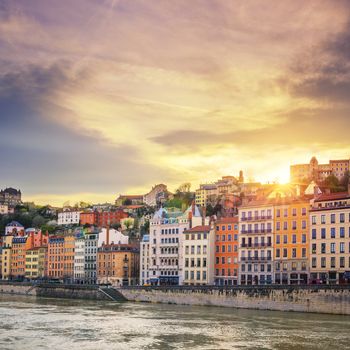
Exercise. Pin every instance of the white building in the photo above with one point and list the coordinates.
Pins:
(255, 252)
(79, 260)
(13, 227)
(68, 216)
(144, 260)
(199, 255)
(114, 237)
(165, 245)
(91, 241)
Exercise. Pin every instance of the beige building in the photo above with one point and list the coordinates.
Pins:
(157, 195)
(318, 172)
(35, 263)
(6, 257)
(330, 238)
(198, 255)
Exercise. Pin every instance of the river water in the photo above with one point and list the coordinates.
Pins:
(30, 323)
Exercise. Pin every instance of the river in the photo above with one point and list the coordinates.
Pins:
(55, 324)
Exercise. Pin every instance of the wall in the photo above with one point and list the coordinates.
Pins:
(334, 300)
(53, 291)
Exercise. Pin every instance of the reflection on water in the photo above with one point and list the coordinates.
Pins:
(29, 323)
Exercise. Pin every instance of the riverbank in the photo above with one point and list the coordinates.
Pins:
(312, 299)
(65, 291)
(315, 299)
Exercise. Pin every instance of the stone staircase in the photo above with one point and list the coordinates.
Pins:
(112, 294)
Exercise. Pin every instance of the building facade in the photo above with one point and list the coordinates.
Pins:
(256, 243)
(68, 216)
(318, 172)
(226, 251)
(291, 241)
(36, 263)
(330, 239)
(144, 261)
(79, 260)
(198, 255)
(91, 241)
(118, 264)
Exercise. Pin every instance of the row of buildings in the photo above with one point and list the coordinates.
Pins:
(84, 256)
(279, 239)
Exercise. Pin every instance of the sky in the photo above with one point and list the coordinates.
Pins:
(99, 98)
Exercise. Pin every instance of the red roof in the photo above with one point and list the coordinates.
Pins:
(201, 228)
(227, 220)
(332, 196)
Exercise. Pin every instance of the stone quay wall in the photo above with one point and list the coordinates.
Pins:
(48, 290)
(317, 299)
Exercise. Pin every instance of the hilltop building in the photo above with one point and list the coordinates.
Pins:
(318, 172)
(11, 197)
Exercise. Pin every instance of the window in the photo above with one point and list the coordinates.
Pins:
(278, 239)
(313, 262)
(342, 232)
(323, 219)
(323, 262)
(198, 275)
(333, 262)
(204, 275)
(313, 232)
(285, 213)
(278, 213)
(294, 253)
(303, 238)
(342, 217)
(278, 226)
(285, 253)
(303, 252)
(342, 261)
(332, 248)
(229, 227)
(323, 233)
(332, 218)
(313, 248)
(313, 220)
(294, 239)
(303, 211)
(277, 253)
(285, 225)
(303, 224)
(323, 248)
(332, 232)
(342, 247)
(294, 212)
(294, 225)
(285, 239)
(223, 249)
(229, 238)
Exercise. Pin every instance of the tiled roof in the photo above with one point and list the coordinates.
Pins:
(332, 196)
(201, 228)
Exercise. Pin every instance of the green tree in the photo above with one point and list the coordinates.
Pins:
(38, 221)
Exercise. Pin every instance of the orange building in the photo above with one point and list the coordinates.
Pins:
(226, 251)
(36, 238)
(88, 218)
(68, 258)
(18, 258)
(55, 257)
(291, 241)
(118, 264)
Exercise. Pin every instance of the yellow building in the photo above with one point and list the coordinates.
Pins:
(291, 240)
(35, 262)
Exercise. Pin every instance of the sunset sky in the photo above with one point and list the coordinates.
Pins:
(99, 98)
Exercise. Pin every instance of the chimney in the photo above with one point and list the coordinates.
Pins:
(203, 216)
(107, 235)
